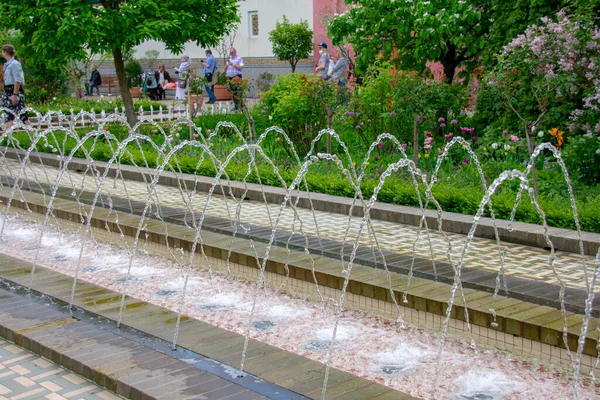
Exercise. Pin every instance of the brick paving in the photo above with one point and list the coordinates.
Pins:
(25, 375)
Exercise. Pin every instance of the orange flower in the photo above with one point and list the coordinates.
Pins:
(558, 135)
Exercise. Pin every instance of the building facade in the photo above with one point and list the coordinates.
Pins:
(258, 18)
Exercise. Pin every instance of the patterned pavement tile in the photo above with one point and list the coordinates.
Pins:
(24, 375)
(520, 261)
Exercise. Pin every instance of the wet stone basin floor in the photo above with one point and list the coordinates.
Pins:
(403, 358)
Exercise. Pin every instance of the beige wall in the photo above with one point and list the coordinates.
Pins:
(269, 12)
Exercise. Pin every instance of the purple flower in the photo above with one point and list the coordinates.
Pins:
(392, 114)
(467, 130)
(454, 122)
(349, 113)
(467, 160)
(379, 144)
(440, 153)
(165, 126)
(442, 125)
(357, 126)
(504, 134)
(441, 119)
(376, 158)
(449, 136)
(342, 118)
(474, 139)
(427, 134)
(154, 131)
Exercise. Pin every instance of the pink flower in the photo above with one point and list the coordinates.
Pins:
(380, 144)
(514, 138)
(467, 130)
(376, 158)
(449, 136)
(427, 134)
(427, 147)
(403, 145)
(504, 134)
(428, 140)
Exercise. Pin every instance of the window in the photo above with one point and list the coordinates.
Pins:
(253, 23)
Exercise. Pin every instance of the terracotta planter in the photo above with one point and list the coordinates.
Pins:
(222, 93)
(136, 92)
(196, 99)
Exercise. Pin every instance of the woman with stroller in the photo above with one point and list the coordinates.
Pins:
(182, 80)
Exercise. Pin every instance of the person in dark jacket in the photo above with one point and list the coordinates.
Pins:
(162, 77)
(94, 82)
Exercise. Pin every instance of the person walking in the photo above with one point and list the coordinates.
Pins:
(340, 71)
(162, 76)
(182, 71)
(323, 66)
(233, 69)
(94, 82)
(210, 73)
(13, 98)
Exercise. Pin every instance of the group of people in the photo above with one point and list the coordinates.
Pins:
(330, 69)
(13, 97)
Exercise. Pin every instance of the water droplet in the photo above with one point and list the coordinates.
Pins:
(494, 325)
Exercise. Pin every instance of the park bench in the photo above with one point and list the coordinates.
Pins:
(110, 83)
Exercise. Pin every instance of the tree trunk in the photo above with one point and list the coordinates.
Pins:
(293, 64)
(449, 63)
(415, 141)
(530, 147)
(123, 87)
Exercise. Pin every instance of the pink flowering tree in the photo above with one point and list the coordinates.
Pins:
(557, 65)
(550, 74)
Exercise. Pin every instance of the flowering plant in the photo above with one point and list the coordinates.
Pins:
(555, 66)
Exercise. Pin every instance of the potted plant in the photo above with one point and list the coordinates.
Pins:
(196, 86)
(133, 72)
(220, 88)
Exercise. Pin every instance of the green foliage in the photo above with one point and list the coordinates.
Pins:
(512, 17)
(65, 104)
(196, 84)
(44, 79)
(133, 72)
(458, 190)
(300, 104)
(291, 42)
(449, 31)
(265, 81)
(389, 100)
(68, 30)
(582, 157)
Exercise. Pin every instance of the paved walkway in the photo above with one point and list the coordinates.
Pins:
(25, 376)
(521, 261)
